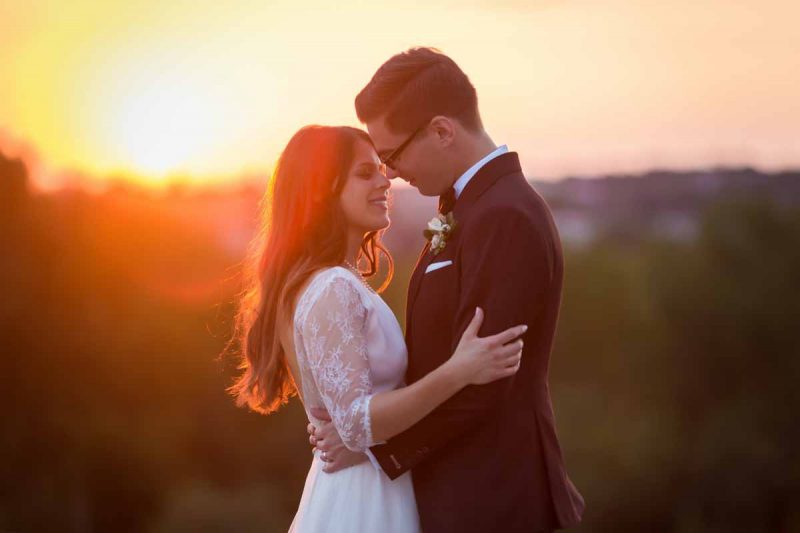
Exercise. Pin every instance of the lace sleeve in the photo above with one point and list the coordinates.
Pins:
(334, 339)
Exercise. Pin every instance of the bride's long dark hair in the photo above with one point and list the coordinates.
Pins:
(302, 230)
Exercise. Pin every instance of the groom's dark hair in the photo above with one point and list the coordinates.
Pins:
(415, 86)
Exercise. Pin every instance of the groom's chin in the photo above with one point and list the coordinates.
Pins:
(422, 190)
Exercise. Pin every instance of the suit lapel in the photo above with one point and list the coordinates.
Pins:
(487, 176)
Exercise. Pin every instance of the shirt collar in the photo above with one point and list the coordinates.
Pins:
(461, 182)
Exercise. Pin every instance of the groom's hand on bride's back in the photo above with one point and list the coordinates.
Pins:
(326, 439)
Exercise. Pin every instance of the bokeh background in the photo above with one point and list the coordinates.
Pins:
(136, 139)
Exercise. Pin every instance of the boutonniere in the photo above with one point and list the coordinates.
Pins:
(439, 230)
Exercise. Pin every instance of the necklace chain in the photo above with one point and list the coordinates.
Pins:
(358, 273)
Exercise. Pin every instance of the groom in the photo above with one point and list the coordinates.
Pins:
(488, 459)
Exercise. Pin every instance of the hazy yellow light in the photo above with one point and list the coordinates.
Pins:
(165, 125)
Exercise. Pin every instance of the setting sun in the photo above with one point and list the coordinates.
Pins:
(167, 124)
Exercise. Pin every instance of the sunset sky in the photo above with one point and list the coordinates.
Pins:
(213, 90)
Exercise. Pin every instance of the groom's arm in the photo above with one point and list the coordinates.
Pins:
(507, 260)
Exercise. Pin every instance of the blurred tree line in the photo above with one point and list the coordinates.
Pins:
(673, 375)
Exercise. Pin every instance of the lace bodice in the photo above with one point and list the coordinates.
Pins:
(349, 346)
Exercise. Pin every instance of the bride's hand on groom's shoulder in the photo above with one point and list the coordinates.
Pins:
(325, 438)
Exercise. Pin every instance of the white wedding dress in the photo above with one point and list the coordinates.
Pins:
(349, 346)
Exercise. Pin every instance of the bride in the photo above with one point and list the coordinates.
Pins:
(310, 324)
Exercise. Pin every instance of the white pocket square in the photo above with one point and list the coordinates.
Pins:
(437, 266)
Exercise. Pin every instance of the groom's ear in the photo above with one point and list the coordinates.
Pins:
(444, 130)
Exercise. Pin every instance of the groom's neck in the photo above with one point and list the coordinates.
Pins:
(474, 148)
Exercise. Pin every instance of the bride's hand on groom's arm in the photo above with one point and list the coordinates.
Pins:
(325, 438)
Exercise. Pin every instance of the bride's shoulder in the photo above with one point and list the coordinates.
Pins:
(340, 281)
(334, 275)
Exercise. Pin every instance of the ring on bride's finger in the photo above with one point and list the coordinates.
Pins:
(324, 456)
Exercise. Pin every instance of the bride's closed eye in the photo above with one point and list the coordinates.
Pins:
(366, 170)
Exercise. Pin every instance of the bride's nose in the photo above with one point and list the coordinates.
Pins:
(384, 183)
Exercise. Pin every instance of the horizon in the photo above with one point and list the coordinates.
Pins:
(193, 185)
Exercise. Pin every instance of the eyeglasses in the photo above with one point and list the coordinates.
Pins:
(389, 160)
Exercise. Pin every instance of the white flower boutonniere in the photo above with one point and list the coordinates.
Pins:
(439, 230)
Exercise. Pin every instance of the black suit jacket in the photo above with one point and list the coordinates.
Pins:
(488, 459)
